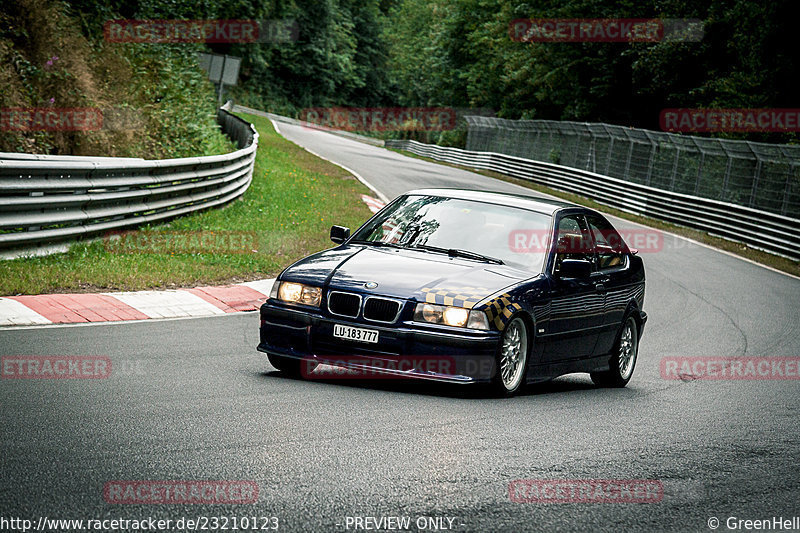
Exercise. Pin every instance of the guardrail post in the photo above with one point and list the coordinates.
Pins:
(726, 179)
(675, 167)
(608, 157)
(787, 189)
(650, 162)
(626, 173)
(754, 189)
(699, 170)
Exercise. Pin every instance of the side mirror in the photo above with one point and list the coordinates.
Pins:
(575, 269)
(339, 234)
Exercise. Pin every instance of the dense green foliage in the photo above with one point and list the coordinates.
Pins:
(460, 53)
(155, 101)
(339, 58)
(455, 53)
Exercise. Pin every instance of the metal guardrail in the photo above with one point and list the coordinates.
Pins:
(762, 176)
(280, 118)
(760, 229)
(46, 199)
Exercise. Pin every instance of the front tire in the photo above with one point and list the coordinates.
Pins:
(623, 361)
(512, 361)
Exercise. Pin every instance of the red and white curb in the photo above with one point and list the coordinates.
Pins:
(46, 309)
(374, 204)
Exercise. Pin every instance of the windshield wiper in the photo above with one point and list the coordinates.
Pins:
(456, 252)
(378, 243)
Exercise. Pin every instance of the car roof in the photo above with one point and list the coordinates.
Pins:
(538, 204)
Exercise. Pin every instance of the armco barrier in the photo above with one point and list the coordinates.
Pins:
(759, 229)
(44, 199)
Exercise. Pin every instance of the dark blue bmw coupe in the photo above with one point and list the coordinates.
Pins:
(466, 287)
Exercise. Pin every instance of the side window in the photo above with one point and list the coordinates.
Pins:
(572, 240)
(611, 249)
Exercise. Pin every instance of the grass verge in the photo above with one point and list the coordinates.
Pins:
(765, 258)
(284, 215)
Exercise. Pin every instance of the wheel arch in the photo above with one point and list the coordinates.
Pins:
(530, 323)
(633, 310)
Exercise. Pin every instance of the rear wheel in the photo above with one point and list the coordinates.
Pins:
(291, 367)
(512, 361)
(623, 361)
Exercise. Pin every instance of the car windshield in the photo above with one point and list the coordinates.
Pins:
(464, 228)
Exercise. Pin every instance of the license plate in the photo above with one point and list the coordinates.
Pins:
(355, 334)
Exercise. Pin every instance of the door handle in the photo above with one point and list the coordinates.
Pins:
(599, 287)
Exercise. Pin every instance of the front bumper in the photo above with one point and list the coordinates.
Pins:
(404, 350)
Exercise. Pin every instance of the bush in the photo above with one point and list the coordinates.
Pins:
(155, 100)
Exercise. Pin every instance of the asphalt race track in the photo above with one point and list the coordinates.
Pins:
(193, 400)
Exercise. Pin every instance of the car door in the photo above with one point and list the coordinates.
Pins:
(612, 276)
(576, 305)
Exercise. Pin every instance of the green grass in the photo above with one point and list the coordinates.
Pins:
(286, 213)
(777, 262)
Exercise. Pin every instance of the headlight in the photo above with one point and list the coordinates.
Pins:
(451, 316)
(455, 316)
(296, 293)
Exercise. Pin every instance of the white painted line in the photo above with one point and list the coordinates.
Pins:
(358, 176)
(277, 129)
(167, 304)
(263, 285)
(120, 322)
(13, 313)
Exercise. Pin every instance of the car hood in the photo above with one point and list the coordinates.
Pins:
(403, 273)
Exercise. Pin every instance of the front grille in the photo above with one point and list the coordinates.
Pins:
(381, 309)
(344, 304)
